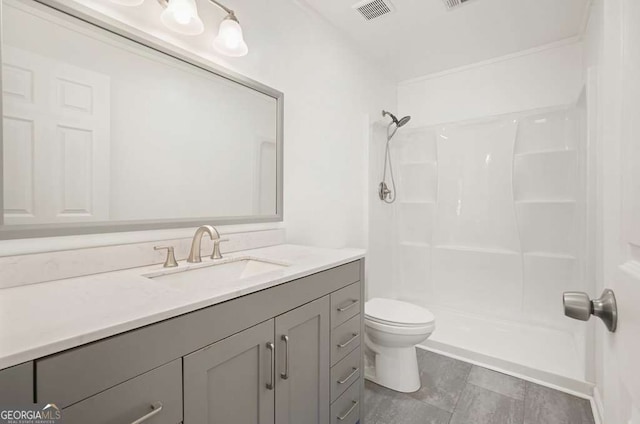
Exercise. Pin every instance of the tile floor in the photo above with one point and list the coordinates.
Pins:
(455, 392)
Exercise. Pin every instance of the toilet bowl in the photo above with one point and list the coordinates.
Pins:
(392, 330)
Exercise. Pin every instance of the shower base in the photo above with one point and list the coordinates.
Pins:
(548, 356)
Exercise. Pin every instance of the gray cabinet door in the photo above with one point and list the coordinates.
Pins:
(16, 385)
(303, 361)
(231, 381)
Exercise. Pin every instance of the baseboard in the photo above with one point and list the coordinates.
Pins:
(573, 387)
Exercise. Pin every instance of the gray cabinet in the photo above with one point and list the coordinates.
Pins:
(263, 358)
(303, 361)
(232, 381)
(16, 385)
(95, 367)
(252, 378)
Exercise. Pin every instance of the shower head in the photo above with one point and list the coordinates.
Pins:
(403, 121)
(399, 122)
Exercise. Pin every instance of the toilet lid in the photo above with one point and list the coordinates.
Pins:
(397, 312)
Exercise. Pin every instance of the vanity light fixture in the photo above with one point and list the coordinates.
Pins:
(181, 16)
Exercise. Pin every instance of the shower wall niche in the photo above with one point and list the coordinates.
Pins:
(490, 225)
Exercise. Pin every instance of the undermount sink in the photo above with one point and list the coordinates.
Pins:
(230, 270)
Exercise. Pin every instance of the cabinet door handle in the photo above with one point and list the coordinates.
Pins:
(349, 306)
(348, 342)
(156, 407)
(270, 348)
(347, 378)
(285, 374)
(346, 414)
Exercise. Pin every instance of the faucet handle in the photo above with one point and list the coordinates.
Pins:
(216, 248)
(170, 261)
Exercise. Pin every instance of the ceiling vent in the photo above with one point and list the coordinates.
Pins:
(373, 9)
(452, 4)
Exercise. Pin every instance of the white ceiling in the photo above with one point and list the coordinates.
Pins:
(422, 37)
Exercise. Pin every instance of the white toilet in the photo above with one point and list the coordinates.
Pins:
(392, 330)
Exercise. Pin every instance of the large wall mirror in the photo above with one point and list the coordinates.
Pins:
(103, 133)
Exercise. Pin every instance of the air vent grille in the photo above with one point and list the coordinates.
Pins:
(372, 9)
(452, 4)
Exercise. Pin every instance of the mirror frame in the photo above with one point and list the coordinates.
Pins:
(121, 30)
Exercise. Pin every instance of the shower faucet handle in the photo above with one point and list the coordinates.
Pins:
(383, 191)
(577, 305)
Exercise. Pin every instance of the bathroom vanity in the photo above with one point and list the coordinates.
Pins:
(270, 344)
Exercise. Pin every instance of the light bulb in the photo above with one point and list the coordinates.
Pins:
(181, 16)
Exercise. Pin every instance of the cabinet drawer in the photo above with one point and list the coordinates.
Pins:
(133, 399)
(345, 338)
(344, 373)
(346, 410)
(345, 304)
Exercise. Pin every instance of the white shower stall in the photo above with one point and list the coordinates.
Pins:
(490, 227)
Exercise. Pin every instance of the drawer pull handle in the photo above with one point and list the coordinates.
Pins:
(346, 414)
(347, 378)
(285, 374)
(349, 306)
(156, 407)
(348, 342)
(271, 348)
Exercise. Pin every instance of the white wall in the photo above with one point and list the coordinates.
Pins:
(530, 80)
(330, 89)
(380, 229)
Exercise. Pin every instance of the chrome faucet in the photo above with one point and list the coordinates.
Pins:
(195, 255)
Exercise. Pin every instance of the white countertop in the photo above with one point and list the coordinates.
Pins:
(41, 319)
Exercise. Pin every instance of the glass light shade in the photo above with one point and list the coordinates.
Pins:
(128, 2)
(230, 41)
(181, 16)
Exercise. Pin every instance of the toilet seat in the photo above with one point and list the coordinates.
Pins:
(399, 329)
(395, 313)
